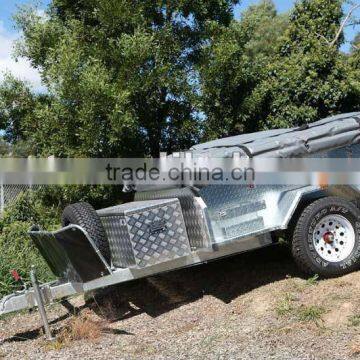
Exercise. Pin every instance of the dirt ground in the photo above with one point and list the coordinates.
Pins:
(252, 306)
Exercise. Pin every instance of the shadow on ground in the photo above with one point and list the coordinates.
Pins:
(224, 279)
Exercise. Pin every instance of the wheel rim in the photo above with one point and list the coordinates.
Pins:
(334, 238)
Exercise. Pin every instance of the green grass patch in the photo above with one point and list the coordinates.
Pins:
(314, 280)
(354, 320)
(288, 308)
(310, 313)
(285, 306)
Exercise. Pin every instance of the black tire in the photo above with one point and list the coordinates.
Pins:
(303, 244)
(84, 215)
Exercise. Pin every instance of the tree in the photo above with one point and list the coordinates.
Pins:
(120, 73)
(310, 77)
(16, 102)
(261, 77)
(356, 43)
(4, 147)
(234, 63)
(18, 109)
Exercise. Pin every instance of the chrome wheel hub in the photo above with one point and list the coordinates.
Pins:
(334, 238)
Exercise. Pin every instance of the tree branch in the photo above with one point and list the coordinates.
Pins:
(323, 37)
(343, 24)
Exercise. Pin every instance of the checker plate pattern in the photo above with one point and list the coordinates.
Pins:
(166, 241)
(147, 236)
(246, 227)
(119, 240)
(239, 211)
(193, 216)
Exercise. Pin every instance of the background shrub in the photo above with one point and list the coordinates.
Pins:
(43, 208)
(17, 251)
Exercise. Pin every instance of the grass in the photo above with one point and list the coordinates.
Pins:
(80, 327)
(314, 280)
(354, 320)
(355, 349)
(310, 313)
(285, 306)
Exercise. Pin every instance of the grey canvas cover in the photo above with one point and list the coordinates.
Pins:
(329, 133)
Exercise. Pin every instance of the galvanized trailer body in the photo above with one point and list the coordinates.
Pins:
(171, 229)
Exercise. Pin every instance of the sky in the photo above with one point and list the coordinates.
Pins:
(8, 34)
(23, 70)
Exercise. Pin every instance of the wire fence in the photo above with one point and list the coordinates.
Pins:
(9, 193)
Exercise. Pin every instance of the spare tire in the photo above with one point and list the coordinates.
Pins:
(84, 215)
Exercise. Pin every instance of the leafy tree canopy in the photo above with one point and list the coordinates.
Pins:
(129, 77)
(233, 66)
(310, 78)
(267, 72)
(120, 73)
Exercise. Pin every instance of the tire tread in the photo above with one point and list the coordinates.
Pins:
(84, 215)
(299, 253)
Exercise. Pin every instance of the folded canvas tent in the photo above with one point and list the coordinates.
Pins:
(315, 138)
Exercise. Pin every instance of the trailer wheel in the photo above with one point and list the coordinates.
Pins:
(84, 215)
(326, 238)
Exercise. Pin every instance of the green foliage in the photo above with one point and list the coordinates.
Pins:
(234, 64)
(98, 196)
(18, 252)
(120, 74)
(17, 108)
(309, 79)
(285, 306)
(293, 77)
(28, 208)
(4, 147)
(312, 23)
(43, 208)
(134, 78)
(16, 248)
(16, 103)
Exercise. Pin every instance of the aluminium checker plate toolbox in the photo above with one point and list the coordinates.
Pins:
(145, 233)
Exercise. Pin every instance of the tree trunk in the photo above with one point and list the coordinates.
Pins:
(154, 142)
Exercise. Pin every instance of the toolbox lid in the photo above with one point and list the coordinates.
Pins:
(136, 206)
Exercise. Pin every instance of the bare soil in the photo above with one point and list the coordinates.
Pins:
(251, 306)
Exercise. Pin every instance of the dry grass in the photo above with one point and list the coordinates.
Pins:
(355, 349)
(81, 327)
